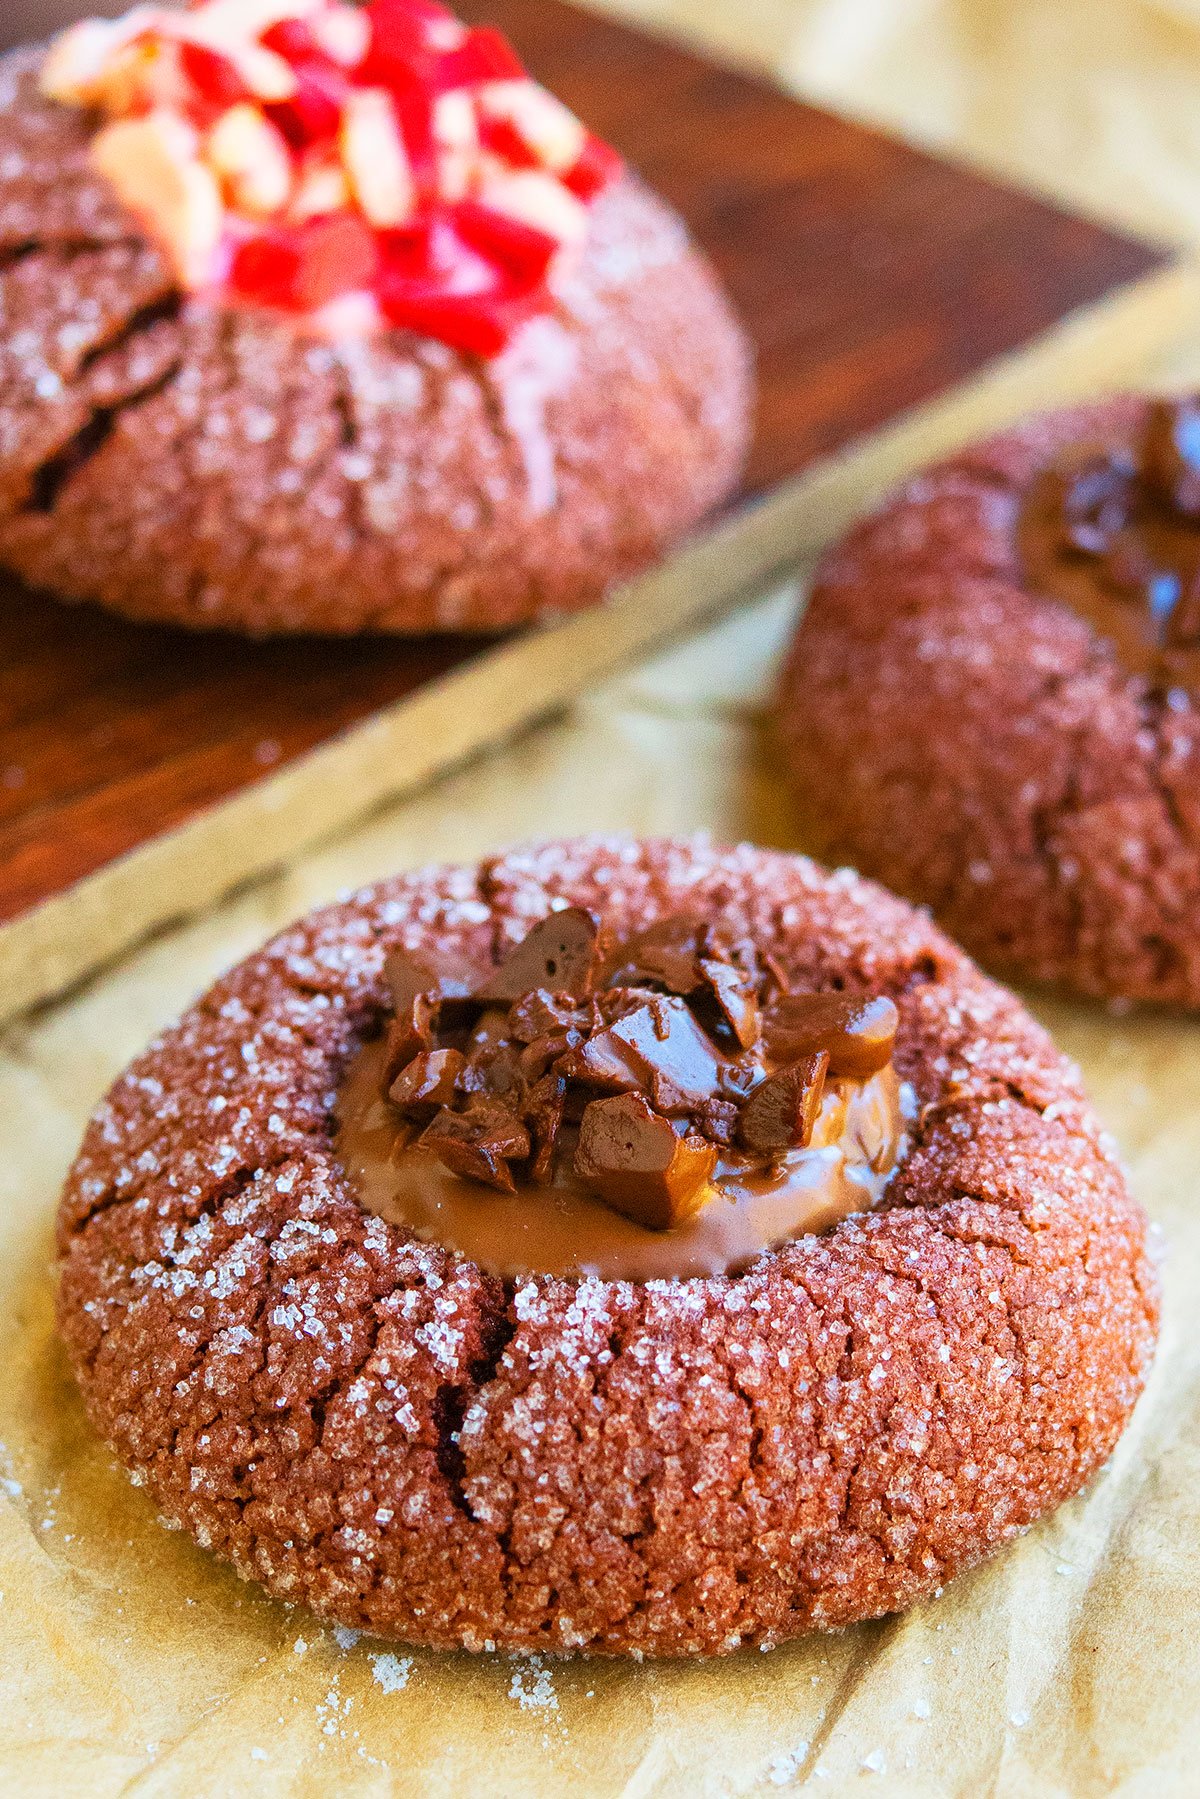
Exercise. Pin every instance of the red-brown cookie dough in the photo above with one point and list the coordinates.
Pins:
(373, 1426)
(960, 729)
(177, 458)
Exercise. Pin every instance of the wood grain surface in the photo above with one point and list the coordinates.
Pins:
(871, 277)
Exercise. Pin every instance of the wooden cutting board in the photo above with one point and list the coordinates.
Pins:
(143, 771)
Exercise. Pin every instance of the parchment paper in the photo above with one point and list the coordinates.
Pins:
(129, 1662)
(1093, 101)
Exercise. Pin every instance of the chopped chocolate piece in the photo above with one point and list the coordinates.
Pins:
(604, 1061)
(738, 1078)
(538, 1013)
(479, 1144)
(1172, 454)
(539, 1056)
(720, 945)
(781, 1113)
(425, 1000)
(410, 1034)
(493, 1059)
(694, 961)
(544, 1115)
(666, 953)
(659, 1048)
(429, 1080)
(497, 1074)
(859, 1034)
(489, 1033)
(735, 992)
(558, 954)
(717, 1119)
(638, 1164)
(612, 1003)
(409, 978)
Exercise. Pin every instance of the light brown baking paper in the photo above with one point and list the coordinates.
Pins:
(131, 1663)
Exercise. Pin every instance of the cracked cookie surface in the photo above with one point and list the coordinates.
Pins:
(181, 460)
(982, 747)
(372, 1425)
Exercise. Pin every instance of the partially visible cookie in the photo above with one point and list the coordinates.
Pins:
(406, 350)
(992, 701)
(366, 1420)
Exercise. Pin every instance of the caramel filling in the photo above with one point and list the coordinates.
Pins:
(1113, 531)
(562, 1228)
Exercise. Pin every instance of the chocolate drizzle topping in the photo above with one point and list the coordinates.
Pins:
(638, 1063)
(1115, 531)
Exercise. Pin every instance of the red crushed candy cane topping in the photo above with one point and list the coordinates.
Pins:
(295, 152)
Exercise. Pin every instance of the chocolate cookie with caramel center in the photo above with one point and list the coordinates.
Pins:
(992, 701)
(421, 1444)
